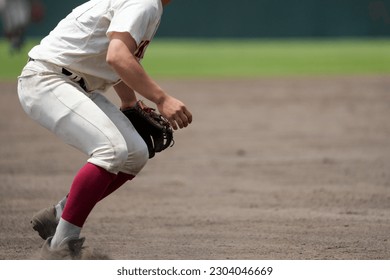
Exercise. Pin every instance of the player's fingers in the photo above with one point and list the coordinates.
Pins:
(180, 122)
(173, 123)
(184, 119)
(188, 115)
(180, 118)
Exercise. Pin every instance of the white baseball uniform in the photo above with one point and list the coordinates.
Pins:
(61, 88)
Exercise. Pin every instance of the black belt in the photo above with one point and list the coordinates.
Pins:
(77, 79)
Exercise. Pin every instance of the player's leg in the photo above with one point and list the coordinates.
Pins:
(88, 186)
(79, 122)
(136, 147)
(119, 181)
(137, 150)
(46, 220)
(67, 112)
(136, 159)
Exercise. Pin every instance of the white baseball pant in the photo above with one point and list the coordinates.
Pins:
(86, 121)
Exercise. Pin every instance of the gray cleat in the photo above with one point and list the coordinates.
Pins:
(45, 222)
(69, 249)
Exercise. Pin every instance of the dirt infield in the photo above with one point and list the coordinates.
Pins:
(270, 169)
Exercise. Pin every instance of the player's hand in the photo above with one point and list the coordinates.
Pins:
(175, 112)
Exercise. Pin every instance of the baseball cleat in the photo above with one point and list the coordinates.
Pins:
(69, 249)
(45, 222)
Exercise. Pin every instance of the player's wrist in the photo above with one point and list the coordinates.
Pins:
(160, 97)
(127, 105)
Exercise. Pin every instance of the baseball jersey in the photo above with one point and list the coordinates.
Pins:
(80, 41)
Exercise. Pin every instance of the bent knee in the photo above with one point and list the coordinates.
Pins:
(110, 157)
(136, 159)
(121, 157)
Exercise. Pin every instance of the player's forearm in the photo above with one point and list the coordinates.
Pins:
(132, 73)
(136, 77)
(126, 95)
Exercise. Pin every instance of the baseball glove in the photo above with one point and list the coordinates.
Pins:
(151, 126)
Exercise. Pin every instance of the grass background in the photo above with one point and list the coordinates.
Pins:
(245, 58)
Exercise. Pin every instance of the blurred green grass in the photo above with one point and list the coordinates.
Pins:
(246, 58)
(252, 58)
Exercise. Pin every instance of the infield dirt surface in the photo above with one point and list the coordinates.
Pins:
(292, 168)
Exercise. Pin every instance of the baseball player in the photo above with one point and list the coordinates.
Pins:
(98, 45)
(16, 16)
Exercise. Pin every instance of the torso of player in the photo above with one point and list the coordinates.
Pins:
(80, 41)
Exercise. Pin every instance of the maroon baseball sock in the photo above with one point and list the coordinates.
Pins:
(120, 179)
(87, 188)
